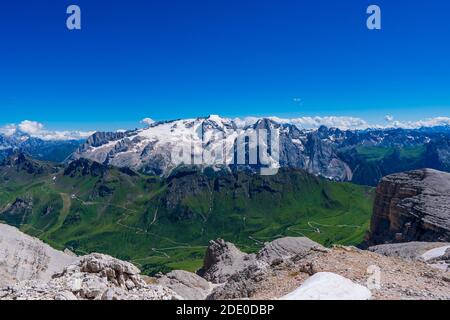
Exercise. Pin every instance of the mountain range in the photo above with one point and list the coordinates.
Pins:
(118, 192)
(49, 150)
(359, 156)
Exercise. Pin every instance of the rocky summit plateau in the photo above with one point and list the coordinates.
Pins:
(287, 269)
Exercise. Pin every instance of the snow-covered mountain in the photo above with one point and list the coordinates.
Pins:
(328, 152)
(154, 148)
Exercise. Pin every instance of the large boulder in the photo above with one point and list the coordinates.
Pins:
(408, 250)
(23, 257)
(222, 260)
(186, 284)
(438, 257)
(435, 254)
(286, 248)
(411, 206)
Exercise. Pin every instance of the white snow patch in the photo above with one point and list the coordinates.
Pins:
(434, 253)
(329, 286)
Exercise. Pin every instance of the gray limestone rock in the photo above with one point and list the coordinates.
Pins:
(186, 284)
(408, 250)
(222, 260)
(23, 257)
(93, 277)
(285, 248)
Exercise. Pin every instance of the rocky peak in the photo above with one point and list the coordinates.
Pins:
(84, 167)
(100, 138)
(22, 163)
(222, 259)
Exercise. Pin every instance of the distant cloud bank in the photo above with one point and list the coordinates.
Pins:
(351, 123)
(37, 129)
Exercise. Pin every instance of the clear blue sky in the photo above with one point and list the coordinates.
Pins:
(170, 59)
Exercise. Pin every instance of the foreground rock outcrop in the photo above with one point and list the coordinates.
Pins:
(287, 268)
(412, 206)
(93, 277)
(281, 270)
(23, 257)
(223, 260)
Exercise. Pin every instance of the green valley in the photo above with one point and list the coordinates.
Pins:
(166, 223)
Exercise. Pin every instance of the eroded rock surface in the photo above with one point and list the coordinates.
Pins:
(285, 248)
(23, 257)
(186, 284)
(222, 260)
(94, 277)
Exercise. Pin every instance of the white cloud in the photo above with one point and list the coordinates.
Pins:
(31, 127)
(244, 122)
(147, 121)
(389, 118)
(431, 122)
(8, 130)
(37, 130)
(343, 123)
(348, 123)
(311, 122)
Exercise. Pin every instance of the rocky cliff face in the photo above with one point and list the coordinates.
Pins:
(26, 258)
(411, 206)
